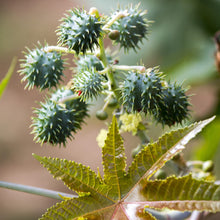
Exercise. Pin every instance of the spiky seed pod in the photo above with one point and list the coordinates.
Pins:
(79, 31)
(58, 118)
(174, 106)
(88, 62)
(42, 69)
(152, 90)
(131, 92)
(133, 28)
(88, 84)
(54, 124)
(140, 92)
(65, 96)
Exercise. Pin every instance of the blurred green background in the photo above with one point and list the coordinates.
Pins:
(180, 42)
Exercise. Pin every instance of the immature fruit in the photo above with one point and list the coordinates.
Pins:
(54, 124)
(114, 34)
(174, 106)
(133, 28)
(42, 69)
(56, 120)
(79, 106)
(142, 92)
(88, 62)
(80, 31)
(101, 115)
(88, 84)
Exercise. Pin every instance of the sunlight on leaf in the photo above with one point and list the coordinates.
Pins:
(156, 154)
(125, 196)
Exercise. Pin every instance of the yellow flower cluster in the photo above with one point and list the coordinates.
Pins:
(101, 137)
(130, 122)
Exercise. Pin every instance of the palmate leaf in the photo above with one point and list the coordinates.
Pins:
(155, 155)
(122, 195)
(114, 162)
(183, 194)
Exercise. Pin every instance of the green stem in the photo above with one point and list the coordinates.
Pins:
(126, 68)
(115, 18)
(58, 49)
(35, 190)
(112, 85)
(68, 98)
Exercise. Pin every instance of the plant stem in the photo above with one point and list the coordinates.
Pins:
(58, 49)
(115, 18)
(126, 68)
(68, 98)
(35, 190)
(112, 85)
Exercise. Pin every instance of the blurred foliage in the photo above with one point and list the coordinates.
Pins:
(4, 82)
(210, 142)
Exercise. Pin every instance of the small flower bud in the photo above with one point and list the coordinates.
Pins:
(114, 34)
(101, 115)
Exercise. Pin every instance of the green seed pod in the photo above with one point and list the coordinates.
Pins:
(80, 31)
(88, 62)
(57, 119)
(142, 92)
(79, 106)
(174, 106)
(88, 84)
(131, 92)
(152, 90)
(133, 28)
(114, 34)
(42, 69)
(101, 115)
(54, 124)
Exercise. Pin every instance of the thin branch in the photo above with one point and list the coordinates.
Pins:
(115, 18)
(58, 49)
(126, 68)
(36, 190)
(68, 98)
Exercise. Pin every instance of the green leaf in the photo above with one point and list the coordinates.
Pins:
(114, 161)
(183, 194)
(73, 208)
(156, 154)
(122, 195)
(181, 188)
(5, 80)
(76, 176)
